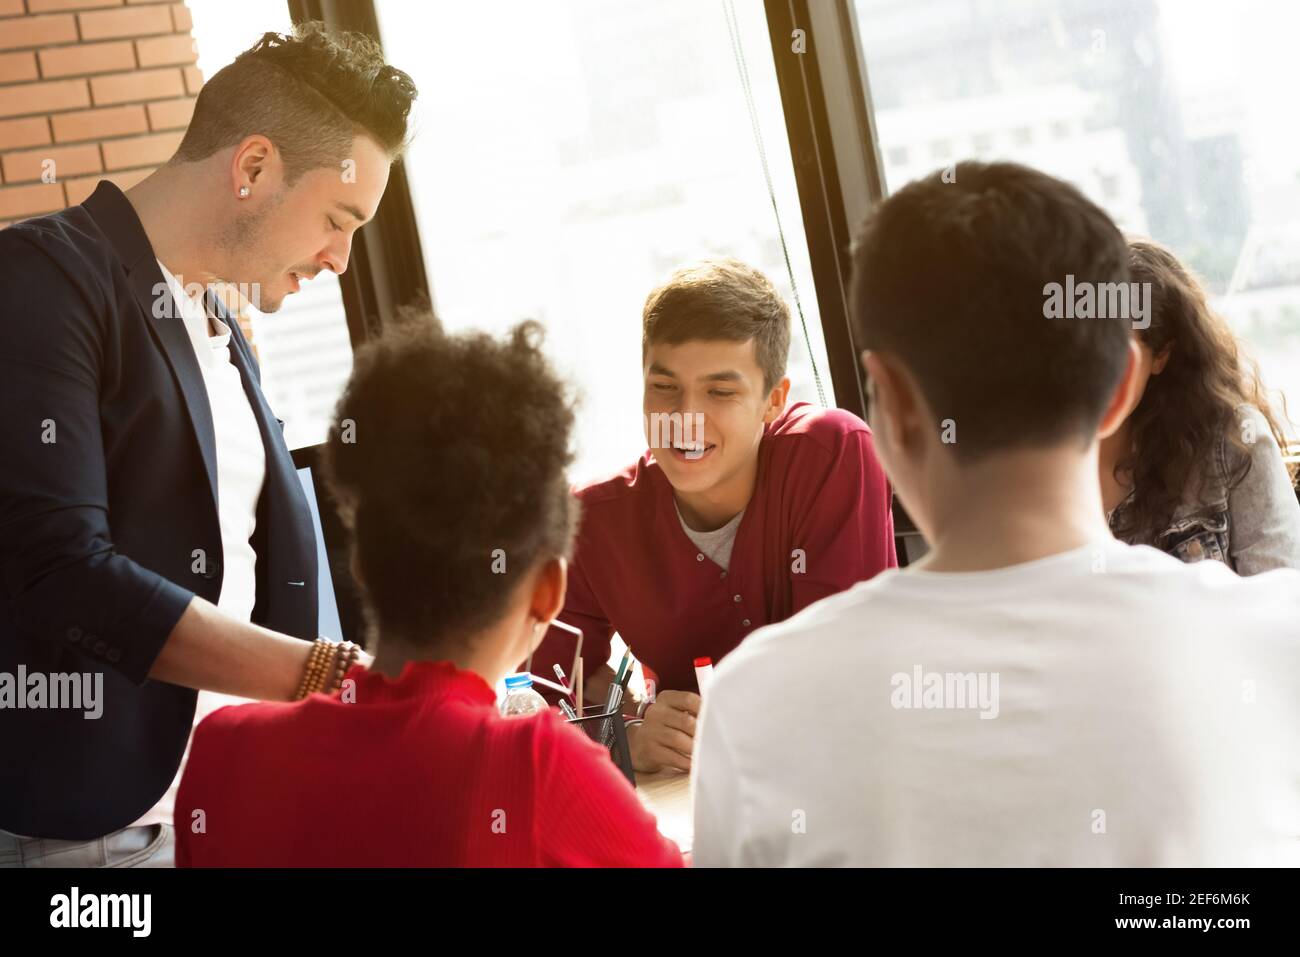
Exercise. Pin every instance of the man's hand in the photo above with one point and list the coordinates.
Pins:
(666, 737)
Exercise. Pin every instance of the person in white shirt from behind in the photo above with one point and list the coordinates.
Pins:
(1032, 693)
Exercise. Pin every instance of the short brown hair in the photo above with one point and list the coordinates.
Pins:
(950, 275)
(309, 93)
(721, 299)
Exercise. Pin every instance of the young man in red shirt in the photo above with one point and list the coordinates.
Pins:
(741, 513)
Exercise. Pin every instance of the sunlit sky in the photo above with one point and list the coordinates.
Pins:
(1245, 45)
(1248, 46)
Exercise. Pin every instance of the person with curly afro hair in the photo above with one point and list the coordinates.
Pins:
(447, 458)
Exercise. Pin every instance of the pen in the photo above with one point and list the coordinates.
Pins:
(607, 726)
(703, 673)
(559, 673)
(618, 679)
(623, 666)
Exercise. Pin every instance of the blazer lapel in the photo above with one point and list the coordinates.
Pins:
(287, 583)
(168, 329)
(272, 435)
(110, 208)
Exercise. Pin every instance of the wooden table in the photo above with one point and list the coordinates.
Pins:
(667, 795)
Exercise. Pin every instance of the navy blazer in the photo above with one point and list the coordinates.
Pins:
(108, 514)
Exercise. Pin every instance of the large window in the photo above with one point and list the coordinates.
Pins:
(303, 349)
(1176, 116)
(569, 154)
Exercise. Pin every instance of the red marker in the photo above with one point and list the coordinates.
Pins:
(703, 673)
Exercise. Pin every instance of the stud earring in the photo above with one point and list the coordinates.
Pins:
(243, 192)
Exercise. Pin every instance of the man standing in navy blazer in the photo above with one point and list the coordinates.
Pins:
(154, 539)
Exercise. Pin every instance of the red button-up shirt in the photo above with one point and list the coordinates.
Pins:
(819, 521)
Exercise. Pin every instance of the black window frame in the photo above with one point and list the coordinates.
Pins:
(839, 172)
(386, 268)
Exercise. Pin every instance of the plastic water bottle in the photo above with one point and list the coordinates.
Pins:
(520, 696)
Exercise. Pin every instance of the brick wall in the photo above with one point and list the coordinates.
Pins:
(102, 88)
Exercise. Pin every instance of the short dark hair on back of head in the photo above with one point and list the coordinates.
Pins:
(309, 93)
(950, 277)
(445, 448)
(721, 299)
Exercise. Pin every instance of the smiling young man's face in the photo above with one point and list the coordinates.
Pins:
(718, 386)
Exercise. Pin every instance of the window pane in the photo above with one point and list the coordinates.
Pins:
(1176, 116)
(569, 154)
(303, 349)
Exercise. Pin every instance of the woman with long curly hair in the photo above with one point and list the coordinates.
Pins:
(1196, 469)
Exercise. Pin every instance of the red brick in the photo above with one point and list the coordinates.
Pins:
(16, 67)
(49, 6)
(28, 98)
(181, 18)
(11, 8)
(141, 150)
(29, 131)
(170, 114)
(193, 80)
(161, 51)
(126, 22)
(98, 124)
(18, 202)
(68, 161)
(87, 58)
(140, 85)
(79, 189)
(38, 31)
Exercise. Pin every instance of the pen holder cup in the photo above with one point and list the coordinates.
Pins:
(607, 729)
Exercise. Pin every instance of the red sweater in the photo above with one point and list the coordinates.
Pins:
(421, 771)
(819, 521)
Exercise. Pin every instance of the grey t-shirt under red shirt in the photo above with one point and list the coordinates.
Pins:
(714, 545)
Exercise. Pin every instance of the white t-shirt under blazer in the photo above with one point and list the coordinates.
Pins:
(1107, 706)
(241, 470)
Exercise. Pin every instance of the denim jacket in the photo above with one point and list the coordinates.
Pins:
(1250, 528)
